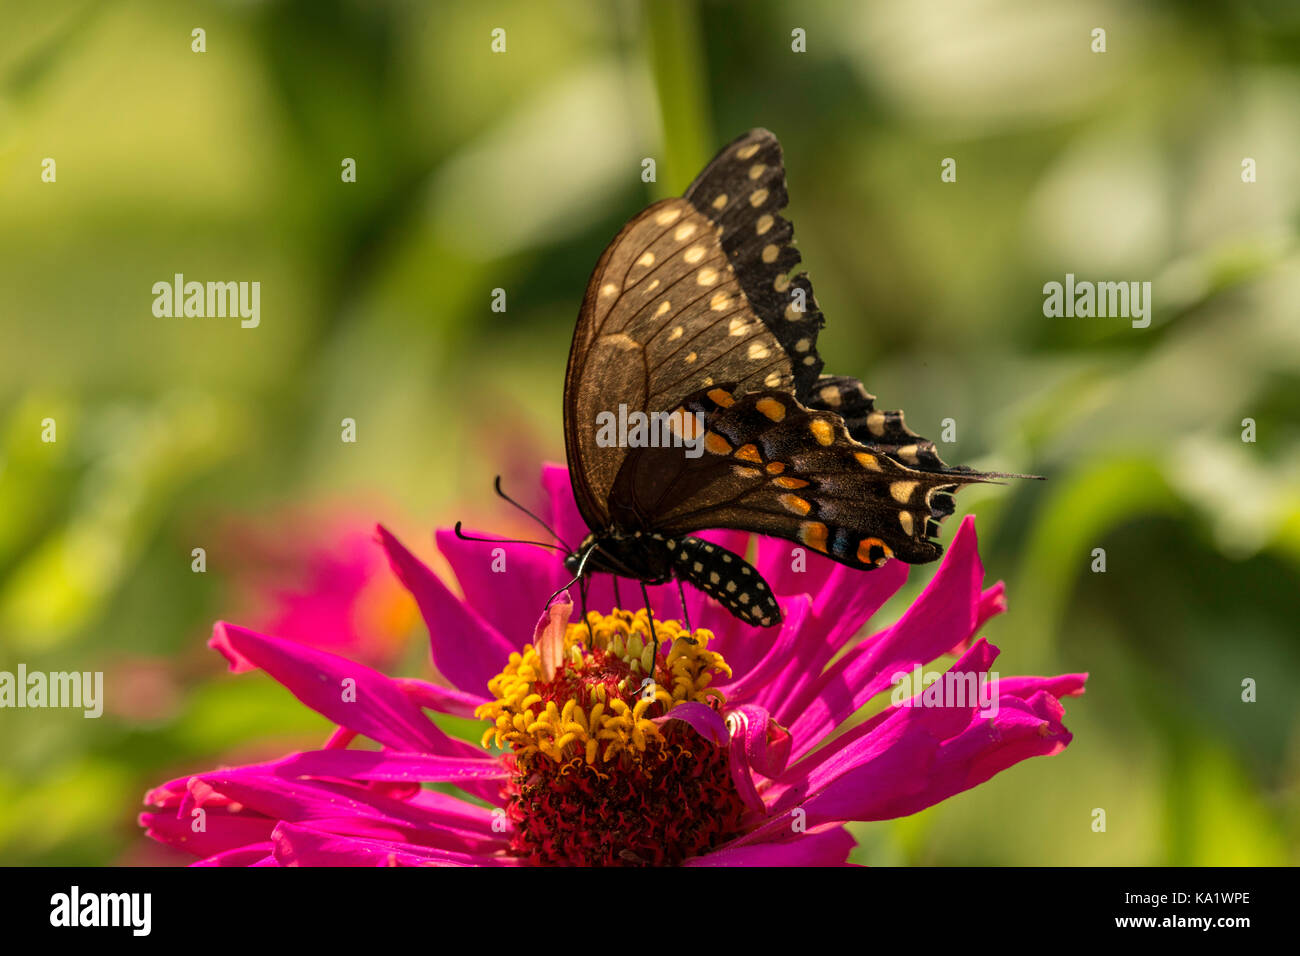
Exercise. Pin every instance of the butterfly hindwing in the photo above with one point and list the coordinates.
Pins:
(772, 466)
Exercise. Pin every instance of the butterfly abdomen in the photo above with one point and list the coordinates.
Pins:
(727, 578)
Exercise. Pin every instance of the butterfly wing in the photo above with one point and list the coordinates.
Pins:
(745, 186)
(745, 189)
(742, 192)
(663, 317)
(772, 466)
(692, 308)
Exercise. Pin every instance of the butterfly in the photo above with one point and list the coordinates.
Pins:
(693, 322)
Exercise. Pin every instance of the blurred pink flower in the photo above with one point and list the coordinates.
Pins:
(320, 580)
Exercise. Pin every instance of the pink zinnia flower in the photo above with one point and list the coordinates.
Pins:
(317, 577)
(731, 757)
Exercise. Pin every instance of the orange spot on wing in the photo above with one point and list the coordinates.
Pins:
(814, 534)
(716, 444)
(822, 431)
(864, 551)
(796, 504)
(682, 423)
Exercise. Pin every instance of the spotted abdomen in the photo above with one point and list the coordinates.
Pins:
(727, 578)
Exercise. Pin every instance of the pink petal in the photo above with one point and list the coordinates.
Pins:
(750, 684)
(387, 765)
(445, 700)
(548, 635)
(222, 830)
(829, 760)
(336, 807)
(242, 856)
(350, 694)
(848, 602)
(305, 846)
(758, 744)
(766, 744)
(1064, 685)
(822, 846)
(466, 649)
(946, 613)
(993, 601)
(742, 779)
(704, 719)
(443, 809)
(529, 575)
(910, 758)
(565, 517)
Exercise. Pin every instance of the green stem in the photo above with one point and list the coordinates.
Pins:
(676, 55)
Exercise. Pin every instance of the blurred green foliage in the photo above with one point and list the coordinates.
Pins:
(479, 171)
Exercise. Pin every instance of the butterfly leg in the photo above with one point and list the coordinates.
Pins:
(582, 590)
(686, 617)
(647, 685)
(618, 600)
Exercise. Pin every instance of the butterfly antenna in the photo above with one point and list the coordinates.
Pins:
(469, 537)
(551, 531)
(582, 590)
(686, 615)
(654, 636)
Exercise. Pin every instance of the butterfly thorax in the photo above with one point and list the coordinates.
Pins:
(642, 556)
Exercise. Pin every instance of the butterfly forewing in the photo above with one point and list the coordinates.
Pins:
(743, 192)
(744, 188)
(664, 316)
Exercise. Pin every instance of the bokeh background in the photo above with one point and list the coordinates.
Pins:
(478, 171)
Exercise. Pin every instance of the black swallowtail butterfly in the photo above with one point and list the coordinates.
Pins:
(692, 319)
(694, 338)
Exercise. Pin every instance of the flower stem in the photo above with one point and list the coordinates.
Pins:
(675, 52)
